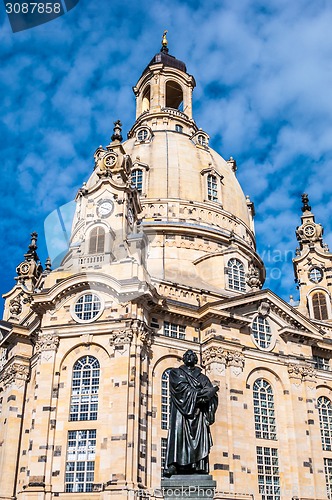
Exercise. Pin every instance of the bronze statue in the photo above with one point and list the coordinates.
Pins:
(194, 402)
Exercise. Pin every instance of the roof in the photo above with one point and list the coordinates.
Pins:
(168, 60)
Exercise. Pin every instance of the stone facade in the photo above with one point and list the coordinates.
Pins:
(162, 258)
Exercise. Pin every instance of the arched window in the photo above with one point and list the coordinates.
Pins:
(165, 399)
(236, 275)
(137, 179)
(174, 95)
(212, 187)
(319, 305)
(97, 240)
(325, 421)
(261, 332)
(265, 422)
(202, 140)
(146, 99)
(85, 386)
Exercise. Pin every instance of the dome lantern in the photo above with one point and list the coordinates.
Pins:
(165, 87)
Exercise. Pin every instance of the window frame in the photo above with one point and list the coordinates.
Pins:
(325, 422)
(232, 278)
(174, 330)
(259, 336)
(328, 476)
(205, 173)
(165, 403)
(310, 303)
(212, 187)
(73, 311)
(267, 461)
(85, 395)
(264, 410)
(100, 240)
(88, 471)
(140, 182)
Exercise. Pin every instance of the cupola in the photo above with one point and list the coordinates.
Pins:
(165, 87)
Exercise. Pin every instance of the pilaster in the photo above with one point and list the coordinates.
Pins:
(41, 425)
(13, 380)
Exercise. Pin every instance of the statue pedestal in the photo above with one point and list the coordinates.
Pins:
(191, 486)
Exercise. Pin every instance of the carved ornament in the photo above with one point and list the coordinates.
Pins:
(14, 372)
(47, 342)
(301, 373)
(124, 336)
(219, 355)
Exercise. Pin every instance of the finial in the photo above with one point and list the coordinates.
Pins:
(305, 200)
(164, 42)
(31, 253)
(48, 266)
(117, 136)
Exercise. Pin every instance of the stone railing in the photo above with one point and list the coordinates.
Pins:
(196, 214)
(92, 259)
(175, 112)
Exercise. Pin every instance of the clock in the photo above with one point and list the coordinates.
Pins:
(110, 160)
(24, 268)
(309, 230)
(105, 208)
(315, 274)
(130, 216)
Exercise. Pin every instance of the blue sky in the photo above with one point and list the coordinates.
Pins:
(264, 77)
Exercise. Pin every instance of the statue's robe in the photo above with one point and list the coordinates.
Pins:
(189, 438)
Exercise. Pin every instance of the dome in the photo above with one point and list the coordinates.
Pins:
(167, 60)
(178, 169)
(194, 215)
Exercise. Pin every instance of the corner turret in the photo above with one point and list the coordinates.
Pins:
(312, 267)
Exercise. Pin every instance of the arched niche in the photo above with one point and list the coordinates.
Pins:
(174, 95)
(146, 96)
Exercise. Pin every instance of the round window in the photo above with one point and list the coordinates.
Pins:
(261, 332)
(315, 275)
(142, 135)
(87, 307)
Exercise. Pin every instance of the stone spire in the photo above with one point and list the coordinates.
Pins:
(309, 233)
(117, 132)
(312, 261)
(29, 271)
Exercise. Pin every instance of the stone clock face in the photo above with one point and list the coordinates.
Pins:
(25, 268)
(105, 208)
(110, 160)
(309, 230)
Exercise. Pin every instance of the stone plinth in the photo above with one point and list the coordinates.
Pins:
(191, 486)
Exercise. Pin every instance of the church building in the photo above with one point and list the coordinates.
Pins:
(162, 259)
